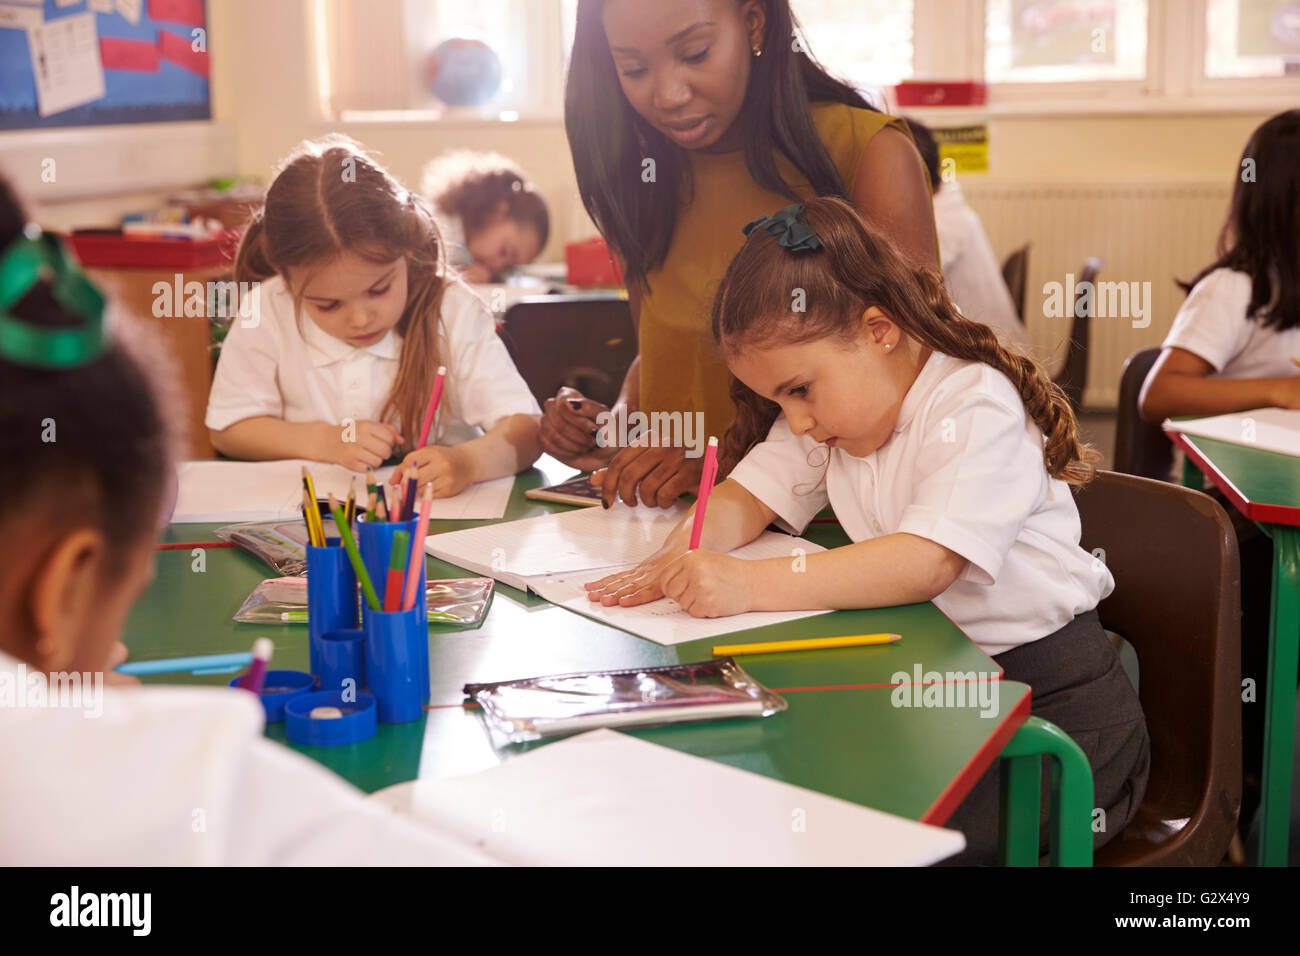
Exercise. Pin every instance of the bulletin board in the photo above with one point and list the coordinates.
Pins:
(90, 62)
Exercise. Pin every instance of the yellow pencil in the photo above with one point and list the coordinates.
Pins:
(812, 644)
(314, 514)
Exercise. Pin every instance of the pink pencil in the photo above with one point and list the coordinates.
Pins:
(256, 675)
(435, 397)
(417, 548)
(706, 488)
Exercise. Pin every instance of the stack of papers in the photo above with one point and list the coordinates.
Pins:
(606, 799)
(1270, 429)
(272, 491)
(555, 555)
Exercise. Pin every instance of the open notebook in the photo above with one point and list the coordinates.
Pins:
(272, 490)
(1271, 429)
(608, 799)
(555, 555)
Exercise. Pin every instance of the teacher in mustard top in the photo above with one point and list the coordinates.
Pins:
(687, 119)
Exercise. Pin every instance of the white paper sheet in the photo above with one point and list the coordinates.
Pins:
(65, 63)
(272, 490)
(20, 18)
(580, 540)
(607, 799)
(1272, 429)
(130, 9)
(664, 621)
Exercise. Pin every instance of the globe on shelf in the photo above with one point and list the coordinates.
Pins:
(464, 72)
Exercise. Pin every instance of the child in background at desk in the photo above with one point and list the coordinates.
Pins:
(492, 218)
(1233, 341)
(356, 314)
(122, 780)
(946, 458)
(1231, 349)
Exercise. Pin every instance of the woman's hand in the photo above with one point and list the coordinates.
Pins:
(658, 475)
(705, 584)
(369, 445)
(446, 467)
(569, 430)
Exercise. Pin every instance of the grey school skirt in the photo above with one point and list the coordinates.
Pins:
(1079, 685)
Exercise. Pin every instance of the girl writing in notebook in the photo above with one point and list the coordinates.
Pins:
(356, 312)
(947, 459)
(105, 775)
(687, 119)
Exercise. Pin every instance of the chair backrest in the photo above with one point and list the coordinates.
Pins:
(1141, 448)
(1014, 273)
(584, 341)
(1177, 600)
(1073, 376)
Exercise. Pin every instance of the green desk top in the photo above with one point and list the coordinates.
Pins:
(841, 735)
(1263, 485)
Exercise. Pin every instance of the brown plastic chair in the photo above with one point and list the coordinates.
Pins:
(1141, 448)
(1015, 271)
(1177, 600)
(1073, 376)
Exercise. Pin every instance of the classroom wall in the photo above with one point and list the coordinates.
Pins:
(270, 108)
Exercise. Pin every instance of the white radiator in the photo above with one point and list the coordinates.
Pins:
(1145, 232)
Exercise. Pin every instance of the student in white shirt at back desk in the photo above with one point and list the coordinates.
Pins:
(970, 269)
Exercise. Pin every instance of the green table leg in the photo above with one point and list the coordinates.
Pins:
(1280, 697)
(1192, 477)
(1071, 794)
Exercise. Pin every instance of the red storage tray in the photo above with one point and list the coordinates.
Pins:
(118, 251)
(589, 263)
(941, 93)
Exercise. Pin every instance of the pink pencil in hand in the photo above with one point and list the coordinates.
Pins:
(435, 397)
(256, 675)
(707, 478)
(417, 548)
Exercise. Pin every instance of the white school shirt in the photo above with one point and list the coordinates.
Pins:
(273, 368)
(169, 776)
(963, 468)
(1215, 323)
(970, 270)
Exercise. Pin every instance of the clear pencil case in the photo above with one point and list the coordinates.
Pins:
(459, 601)
(282, 545)
(516, 711)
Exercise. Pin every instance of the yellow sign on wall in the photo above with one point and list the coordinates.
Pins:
(962, 149)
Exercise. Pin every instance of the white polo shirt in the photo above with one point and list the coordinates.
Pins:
(963, 468)
(182, 776)
(289, 368)
(1215, 323)
(970, 270)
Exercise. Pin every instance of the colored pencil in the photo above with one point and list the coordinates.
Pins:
(435, 396)
(315, 509)
(381, 512)
(177, 665)
(350, 508)
(396, 566)
(256, 675)
(306, 518)
(707, 478)
(417, 548)
(372, 489)
(354, 556)
(811, 644)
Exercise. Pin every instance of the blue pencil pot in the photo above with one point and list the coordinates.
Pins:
(375, 541)
(278, 689)
(357, 719)
(394, 662)
(342, 656)
(331, 596)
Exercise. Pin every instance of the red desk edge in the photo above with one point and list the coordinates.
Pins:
(1254, 510)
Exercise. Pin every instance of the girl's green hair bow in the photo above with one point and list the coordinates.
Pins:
(39, 257)
(795, 234)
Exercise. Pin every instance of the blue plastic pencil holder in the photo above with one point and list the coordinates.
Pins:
(375, 541)
(278, 688)
(342, 656)
(331, 596)
(354, 722)
(395, 664)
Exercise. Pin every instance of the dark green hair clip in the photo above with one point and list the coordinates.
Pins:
(35, 257)
(795, 234)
